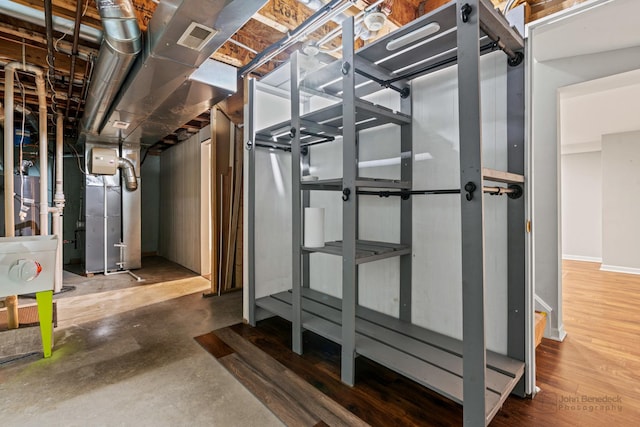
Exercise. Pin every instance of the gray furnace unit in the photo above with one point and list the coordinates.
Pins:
(112, 208)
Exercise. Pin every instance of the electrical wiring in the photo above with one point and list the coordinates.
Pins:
(23, 208)
(67, 32)
(77, 156)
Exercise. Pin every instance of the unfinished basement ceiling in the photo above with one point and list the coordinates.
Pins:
(24, 38)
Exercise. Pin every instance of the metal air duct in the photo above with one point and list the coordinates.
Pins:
(129, 173)
(159, 94)
(120, 46)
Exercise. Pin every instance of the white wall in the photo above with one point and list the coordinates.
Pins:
(621, 206)
(180, 203)
(547, 74)
(582, 206)
(437, 288)
(205, 207)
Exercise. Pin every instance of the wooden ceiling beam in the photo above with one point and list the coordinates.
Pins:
(144, 11)
(67, 9)
(41, 39)
(290, 14)
(270, 23)
(37, 56)
(225, 58)
(542, 9)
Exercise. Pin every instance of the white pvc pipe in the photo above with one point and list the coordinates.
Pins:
(9, 221)
(59, 201)
(58, 197)
(56, 225)
(44, 153)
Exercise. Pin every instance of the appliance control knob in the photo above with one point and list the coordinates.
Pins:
(24, 270)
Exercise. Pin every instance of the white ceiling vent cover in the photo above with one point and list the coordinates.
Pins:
(196, 36)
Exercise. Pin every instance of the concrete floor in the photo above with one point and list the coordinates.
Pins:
(139, 367)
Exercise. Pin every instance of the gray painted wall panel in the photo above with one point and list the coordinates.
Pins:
(150, 181)
(179, 239)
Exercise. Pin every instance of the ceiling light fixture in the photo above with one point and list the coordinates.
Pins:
(374, 21)
(413, 36)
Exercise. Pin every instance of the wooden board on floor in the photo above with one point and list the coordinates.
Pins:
(288, 396)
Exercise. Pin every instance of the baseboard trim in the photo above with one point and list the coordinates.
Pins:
(556, 334)
(619, 269)
(581, 258)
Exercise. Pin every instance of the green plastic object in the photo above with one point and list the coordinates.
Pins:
(45, 313)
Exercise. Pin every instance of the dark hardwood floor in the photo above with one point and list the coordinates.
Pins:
(590, 379)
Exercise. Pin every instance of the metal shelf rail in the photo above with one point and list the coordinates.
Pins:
(464, 371)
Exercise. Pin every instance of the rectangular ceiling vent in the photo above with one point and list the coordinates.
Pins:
(196, 36)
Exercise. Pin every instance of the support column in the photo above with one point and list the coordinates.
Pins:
(306, 202)
(296, 200)
(473, 327)
(516, 247)
(251, 202)
(349, 205)
(406, 215)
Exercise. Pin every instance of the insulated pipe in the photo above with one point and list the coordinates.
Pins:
(129, 172)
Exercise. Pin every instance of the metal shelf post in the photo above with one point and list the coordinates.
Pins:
(251, 202)
(349, 205)
(406, 211)
(516, 273)
(472, 212)
(296, 200)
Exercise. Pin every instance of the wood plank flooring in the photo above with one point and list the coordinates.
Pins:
(292, 399)
(591, 379)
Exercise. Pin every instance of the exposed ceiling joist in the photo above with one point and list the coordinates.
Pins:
(541, 9)
(270, 23)
(41, 39)
(67, 9)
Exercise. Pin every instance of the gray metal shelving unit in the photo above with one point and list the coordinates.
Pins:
(460, 32)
